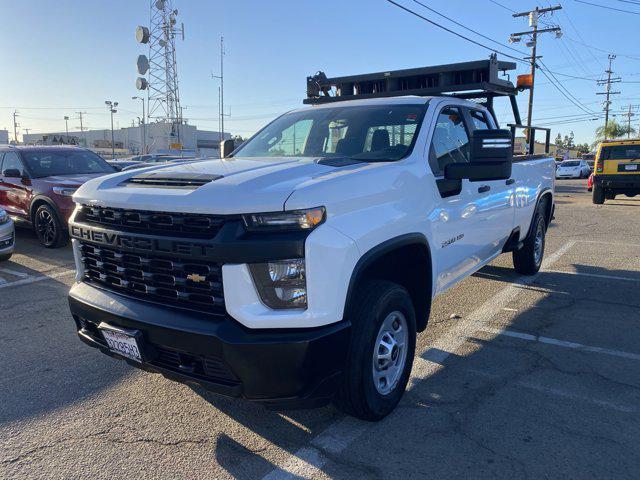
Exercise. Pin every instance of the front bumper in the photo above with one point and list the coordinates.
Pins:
(7, 238)
(280, 368)
(624, 183)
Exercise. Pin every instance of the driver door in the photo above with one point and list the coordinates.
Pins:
(456, 222)
(15, 193)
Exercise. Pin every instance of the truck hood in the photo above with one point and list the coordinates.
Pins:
(233, 185)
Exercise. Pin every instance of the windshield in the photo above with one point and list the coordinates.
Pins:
(62, 162)
(368, 133)
(570, 164)
(620, 152)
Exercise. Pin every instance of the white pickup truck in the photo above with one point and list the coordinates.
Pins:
(298, 269)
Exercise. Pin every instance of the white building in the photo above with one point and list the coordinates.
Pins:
(4, 137)
(130, 140)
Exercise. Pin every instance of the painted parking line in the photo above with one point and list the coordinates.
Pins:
(37, 278)
(15, 273)
(596, 275)
(561, 392)
(308, 461)
(561, 343)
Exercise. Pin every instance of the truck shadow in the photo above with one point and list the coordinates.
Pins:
(458, 412)
(43, 365)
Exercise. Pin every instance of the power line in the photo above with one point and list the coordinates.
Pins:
(502, 6)
(568, 95)
(408, 10)
(470, 29)
(606, 7)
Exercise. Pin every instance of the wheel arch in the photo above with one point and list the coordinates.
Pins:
(41, 200)
(405, 260)
(546, 196)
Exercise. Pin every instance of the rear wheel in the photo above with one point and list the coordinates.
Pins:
(528, 259)
(598, 195)
(381, 351)
(49, 228)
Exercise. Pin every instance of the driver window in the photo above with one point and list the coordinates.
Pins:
(12, 161)
(450, 143)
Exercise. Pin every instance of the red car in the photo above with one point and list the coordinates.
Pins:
(36, 185)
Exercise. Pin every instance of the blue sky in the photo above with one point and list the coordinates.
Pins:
(71, 55)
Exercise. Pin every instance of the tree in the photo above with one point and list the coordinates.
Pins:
(569, 141)
(613, 130)
(559, 142)
(583, 148)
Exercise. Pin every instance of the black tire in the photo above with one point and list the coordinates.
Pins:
(5, 257)
(528, 259)
(598, 195)
(49, 228)
(376, 304)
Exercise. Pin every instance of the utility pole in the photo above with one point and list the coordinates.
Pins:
(15, 126)
(66, 123)
(80, 117)
(608, 92)
(144, 125)
(534, 16)
(221, 89)
(112, 108)
(629, 114)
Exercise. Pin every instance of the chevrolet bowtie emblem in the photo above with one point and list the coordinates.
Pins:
(194, 277)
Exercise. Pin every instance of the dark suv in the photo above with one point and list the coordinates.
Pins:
(36, 185)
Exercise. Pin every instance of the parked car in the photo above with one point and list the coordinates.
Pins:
(36, 185)
(590, 183)
(7, 236)
(617, 170)
(120, 165)
(573, 169)
(299, 270)
(158, 160)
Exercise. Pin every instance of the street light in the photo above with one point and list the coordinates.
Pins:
(144, 126)
(112, 108)
(66, 122)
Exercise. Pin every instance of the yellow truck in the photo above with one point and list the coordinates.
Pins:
(616, 170)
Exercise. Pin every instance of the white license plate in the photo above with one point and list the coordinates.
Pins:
(121, 342)
(631, 167)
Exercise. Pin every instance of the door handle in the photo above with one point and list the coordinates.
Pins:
(484, 188)
(511, 181)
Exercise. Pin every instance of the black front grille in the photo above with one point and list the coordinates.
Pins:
(190, 225)
(191, 284)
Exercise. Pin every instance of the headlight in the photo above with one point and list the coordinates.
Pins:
(65, 191)
(292, 220)
(4, 217)
(281, 284)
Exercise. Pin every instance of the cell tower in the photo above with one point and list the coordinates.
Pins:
(163, 96)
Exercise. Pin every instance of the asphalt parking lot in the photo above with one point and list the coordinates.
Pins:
(514, 378)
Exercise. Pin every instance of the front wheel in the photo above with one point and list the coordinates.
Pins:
(49, 227)
(598, 195)
(5, 257)
(381, 352)
(528, 259)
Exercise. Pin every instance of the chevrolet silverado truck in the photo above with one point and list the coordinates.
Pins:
(298, 269)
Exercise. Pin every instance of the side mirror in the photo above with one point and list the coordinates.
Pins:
(226, 147)
(12, 173)
(491, 158)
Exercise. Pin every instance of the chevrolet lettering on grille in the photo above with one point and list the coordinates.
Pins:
(134, 242)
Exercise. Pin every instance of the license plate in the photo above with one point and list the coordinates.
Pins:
(120, 341)
(632, 166)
